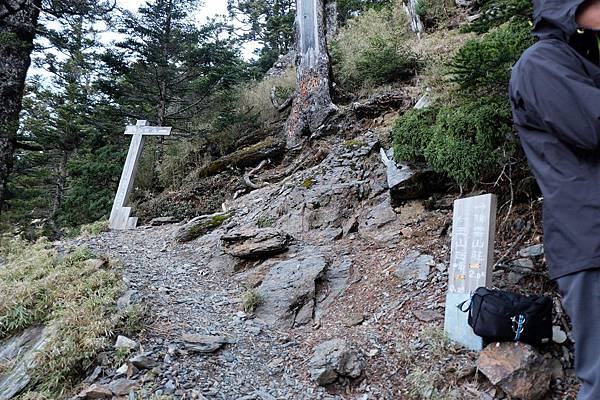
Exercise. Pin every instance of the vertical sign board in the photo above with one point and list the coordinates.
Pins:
(471, 262)
(120, 215)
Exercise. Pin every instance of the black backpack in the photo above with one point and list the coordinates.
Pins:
(500, 316)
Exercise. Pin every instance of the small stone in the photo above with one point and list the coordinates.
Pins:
(532, 251)
(122, 370)
(121, 387)
(354, 320)
(123, 342)
(334, 359)
(415, 265)
(143, 362)
(95, 263)
(558, 335)
(204, 343)
(164, 221)
(427, 315)
(96, 392)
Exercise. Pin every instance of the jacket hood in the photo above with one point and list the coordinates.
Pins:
(555, 18)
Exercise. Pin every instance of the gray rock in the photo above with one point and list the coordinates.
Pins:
(200, 226)
(123, 342)
(288, 290)
(126, 299)
(142, 361)
(518, 369)
(256, 243)
(532, 251)
(96, 391)
(335, 359)
(558, 335)
(122, 386)
(204, 343)
(23, 350)
(415, 265)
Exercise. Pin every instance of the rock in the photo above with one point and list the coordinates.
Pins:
(517, 368)
(122, 370)
(122, 387)
(204, 343)
(200, 226)
(406, 183)
(465, 3)
(22, 350)
(556, 369)
(143, 362)
(288, 290)
(96, 392)
(256, 243)
(522, 265)
(558, 335)
(354, 320)
(350, 226)
(532, 251)
(335, 359)
(164, 221)
(415, 265)
(123, 342)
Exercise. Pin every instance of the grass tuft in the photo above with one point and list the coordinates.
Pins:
(251, 300)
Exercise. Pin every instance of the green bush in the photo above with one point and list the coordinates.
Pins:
(412, 132)
(469, 141)
(494, 13)
(434, 13)
(483, 66)
(384, 62)
(372, 48)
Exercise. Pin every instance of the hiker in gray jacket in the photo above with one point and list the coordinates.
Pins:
(555, 96)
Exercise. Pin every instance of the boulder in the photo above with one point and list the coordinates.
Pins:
(255, 243)
(409, 183)
(517, 368)
(122, 386)
(288, 290)
(142, 361)
(333, 360)
(200, 226)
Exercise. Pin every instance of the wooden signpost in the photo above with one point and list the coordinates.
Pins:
(471, 262)
(120, 216)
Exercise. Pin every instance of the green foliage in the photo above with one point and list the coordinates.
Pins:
(95, 228)
(384, 62)
(308, 182)
(469, 141)
(494, 13)
(265, 221)
(483, 66)
(434, 13)
(348, 9)
(364, 54)
(251, 300)
(74, 299)
(412, 133)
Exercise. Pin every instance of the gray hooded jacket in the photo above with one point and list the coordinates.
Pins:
(555, 95)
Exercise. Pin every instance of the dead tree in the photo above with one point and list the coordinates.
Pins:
(312, 103)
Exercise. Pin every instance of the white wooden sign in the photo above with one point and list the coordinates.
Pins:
(471, 262)
(120, 216)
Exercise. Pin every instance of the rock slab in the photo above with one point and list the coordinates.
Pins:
(415, 265)
(200, 226)
(517, 368)
(333, 360)
(256, 243)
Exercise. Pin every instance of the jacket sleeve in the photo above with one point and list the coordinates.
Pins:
(565, 100)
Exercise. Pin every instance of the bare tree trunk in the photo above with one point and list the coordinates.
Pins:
(410, 6)
(17, 31)
(312, 103)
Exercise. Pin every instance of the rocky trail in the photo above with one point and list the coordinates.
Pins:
(349, 291)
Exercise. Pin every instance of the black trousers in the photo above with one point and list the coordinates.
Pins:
(581, 299)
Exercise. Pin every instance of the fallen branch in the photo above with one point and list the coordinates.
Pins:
(283, 106)
(248, 176)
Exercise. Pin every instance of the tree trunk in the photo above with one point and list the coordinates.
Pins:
(410, 6)
(16, 43)
(312, 104)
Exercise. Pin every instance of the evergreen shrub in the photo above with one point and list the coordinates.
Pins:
(494, 13)
(412, 132)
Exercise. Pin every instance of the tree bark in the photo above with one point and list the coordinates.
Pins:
(17, 32)
(312, 104)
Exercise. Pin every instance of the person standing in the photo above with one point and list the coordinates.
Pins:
(555, 96)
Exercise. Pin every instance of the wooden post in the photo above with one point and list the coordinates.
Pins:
(120, 215)
(312, 104)
(471, 262)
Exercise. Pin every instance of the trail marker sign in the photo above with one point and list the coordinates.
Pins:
(120, 216)
(471, 262)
